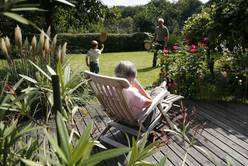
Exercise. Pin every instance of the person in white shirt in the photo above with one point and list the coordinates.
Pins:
(92, 58)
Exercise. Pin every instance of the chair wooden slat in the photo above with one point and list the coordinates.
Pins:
(109, 91)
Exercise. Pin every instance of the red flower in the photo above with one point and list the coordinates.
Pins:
(205, 38)
(193, 46)
(9, 89)
(166, 51)
(175, 47)
(193, 50)
(202, 45)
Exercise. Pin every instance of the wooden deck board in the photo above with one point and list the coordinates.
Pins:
(231, 128)
(193, 152)
(224, 138)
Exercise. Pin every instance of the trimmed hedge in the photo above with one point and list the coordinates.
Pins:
(80, 43)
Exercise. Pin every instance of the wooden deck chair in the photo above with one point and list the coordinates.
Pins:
(108, 91)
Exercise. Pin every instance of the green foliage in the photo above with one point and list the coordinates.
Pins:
(86, 13)
(140, 151)
(115, 42)
(186, 69)
(13, 144)
(222, 21)
(11, 9)
(74, 150)
(36, 65)
(200, 25)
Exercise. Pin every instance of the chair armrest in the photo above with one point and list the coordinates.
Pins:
(157, 100)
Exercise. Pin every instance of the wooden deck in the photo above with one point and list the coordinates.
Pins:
(224, 138)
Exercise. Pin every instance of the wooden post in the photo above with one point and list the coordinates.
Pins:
(57, 103)
(56, 93)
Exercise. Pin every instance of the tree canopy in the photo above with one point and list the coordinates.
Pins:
(223, 21)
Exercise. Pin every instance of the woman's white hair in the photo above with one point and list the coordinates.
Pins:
(126, 69)
(161, 20)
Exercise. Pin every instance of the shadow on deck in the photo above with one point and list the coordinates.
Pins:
(224, 138)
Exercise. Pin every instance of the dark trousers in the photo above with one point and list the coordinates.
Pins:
(94, 67)
(160, 46)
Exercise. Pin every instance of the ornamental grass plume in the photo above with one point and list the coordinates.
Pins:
(5, 52)
(8, 45)
(41, 41)
(48, 31)
(18, 37)
(26, 44)
(58, 55)
(63, 52)
(54, 42)
(47, 46)
(34, 44)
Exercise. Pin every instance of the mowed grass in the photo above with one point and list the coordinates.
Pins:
(143, 61)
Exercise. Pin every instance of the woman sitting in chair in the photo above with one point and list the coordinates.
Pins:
(137, 98)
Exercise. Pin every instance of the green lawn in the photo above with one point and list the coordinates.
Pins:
(108, 61)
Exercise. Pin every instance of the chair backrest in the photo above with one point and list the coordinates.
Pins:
(109, 92)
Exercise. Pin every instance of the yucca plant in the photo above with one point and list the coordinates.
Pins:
(37, 62)
(73, 89)
(140, 150)
(72, 150)
(13, 144)
(42, 52)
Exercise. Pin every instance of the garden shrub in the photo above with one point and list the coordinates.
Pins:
(187, 70)
(187, 66)
(80, 43)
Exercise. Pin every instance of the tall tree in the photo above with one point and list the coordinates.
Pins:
(86, 13)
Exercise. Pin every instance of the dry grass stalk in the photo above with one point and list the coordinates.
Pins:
(58, 55)
(34, 44)
(47, 46)
(18, 37)
(5, 52)
(42, 40)
(48, 31)
(26, 44)
(8, 45)
(54, 42)
(63, 52)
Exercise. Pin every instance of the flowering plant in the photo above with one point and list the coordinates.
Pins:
(183, 65)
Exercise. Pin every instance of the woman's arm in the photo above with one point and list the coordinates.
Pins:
(142, 91)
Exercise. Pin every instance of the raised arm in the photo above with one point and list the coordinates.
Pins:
(102, 48)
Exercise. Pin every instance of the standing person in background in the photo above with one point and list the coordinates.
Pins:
(92, 58)
(161, 37)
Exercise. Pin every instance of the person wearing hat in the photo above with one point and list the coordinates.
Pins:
(161, 37)
(92, 58)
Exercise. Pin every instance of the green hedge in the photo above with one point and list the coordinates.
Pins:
(115, 43)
